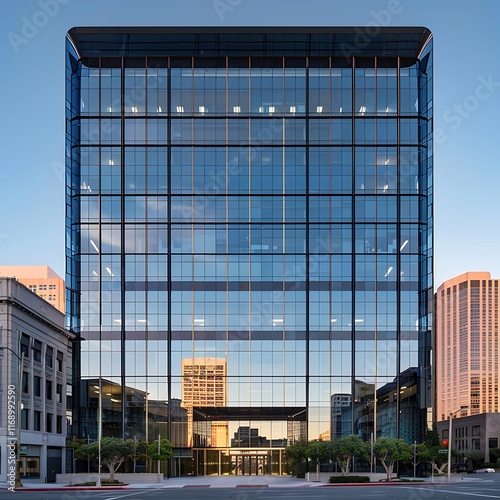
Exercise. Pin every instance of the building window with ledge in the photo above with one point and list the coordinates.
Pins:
(25, 416)
(48, 390)
(48, 424)
(37, 418)
(49, 357)
(25, 346)
(59, 424)
(476, 430)
(37, 386)
(59, 392)
(25, 383)
(37, 351)
(59, 361)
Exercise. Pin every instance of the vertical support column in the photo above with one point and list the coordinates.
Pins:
(43, 459)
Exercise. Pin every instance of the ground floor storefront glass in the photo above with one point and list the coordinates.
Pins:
(237, 462)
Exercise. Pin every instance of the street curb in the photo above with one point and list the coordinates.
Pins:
(72, 488)
(388, 483)
(212, 487)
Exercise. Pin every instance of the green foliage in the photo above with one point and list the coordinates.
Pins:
(430, 452)
(103, 483)
(165, 450)
(347, 447)
(431, 437)
(113, 452)
(141, 451)
(389, 451)
(476, 457)
(494, 455)
(349, 479)
(319, 451)
(295, 455)
(77, 444)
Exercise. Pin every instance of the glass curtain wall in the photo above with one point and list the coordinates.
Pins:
(249, 232)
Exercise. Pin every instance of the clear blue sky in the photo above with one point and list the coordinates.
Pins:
(466, 62)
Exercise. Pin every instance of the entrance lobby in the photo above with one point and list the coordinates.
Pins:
(232, 462)
(243, 441)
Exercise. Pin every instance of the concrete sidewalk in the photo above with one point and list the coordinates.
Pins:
(227, 482)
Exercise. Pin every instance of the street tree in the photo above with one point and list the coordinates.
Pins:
(431, 451)
(295, 455)
(113, 452)
(165, 451)
(346, 448)
(319, 452)
(389, 451)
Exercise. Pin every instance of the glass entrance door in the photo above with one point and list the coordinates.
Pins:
(250, 465)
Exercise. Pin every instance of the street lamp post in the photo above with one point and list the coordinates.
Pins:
(317, 460)
(20, 361)
(414, 459)
(99, 430)
(450, 439)
(159, 439)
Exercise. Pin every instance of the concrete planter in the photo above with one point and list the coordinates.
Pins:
(375, 477)
(69, 479)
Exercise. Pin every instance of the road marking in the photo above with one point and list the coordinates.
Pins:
(460, 493)
(123, 496)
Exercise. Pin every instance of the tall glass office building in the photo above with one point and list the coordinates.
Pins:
(249, 237)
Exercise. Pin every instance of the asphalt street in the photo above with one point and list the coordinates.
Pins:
(487, 486)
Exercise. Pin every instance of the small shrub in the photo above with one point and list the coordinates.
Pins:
(104, 482)
(349, 479)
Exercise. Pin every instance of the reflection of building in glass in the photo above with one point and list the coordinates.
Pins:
(341, 402)
(467, 342)
(204, 383)
(247, 437)
(136, 403)
(342, 407)
(395, 412)
(258, 196)
(325, 436)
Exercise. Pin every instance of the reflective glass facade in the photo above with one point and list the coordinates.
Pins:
(249, 237)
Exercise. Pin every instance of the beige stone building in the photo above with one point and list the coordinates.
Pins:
(35, 357)
(474, 433)
(466, 346)
(41, 280)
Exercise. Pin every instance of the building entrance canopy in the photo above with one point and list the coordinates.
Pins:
(293, 413)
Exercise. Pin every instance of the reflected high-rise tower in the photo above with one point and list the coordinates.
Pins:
(261, 196)
(204, 384)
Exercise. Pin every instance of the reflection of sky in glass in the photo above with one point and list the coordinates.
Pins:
(291, 251)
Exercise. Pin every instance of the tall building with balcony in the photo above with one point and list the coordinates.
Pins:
(259, 195)
(41, 280)
(467, 345)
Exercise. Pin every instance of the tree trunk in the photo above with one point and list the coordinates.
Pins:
(440, 469)
(389, 474)
(388, 468)
(345, 469)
